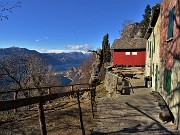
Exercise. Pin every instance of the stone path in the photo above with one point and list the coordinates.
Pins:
(136, 113)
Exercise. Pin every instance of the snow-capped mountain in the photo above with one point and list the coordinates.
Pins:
(59, 61)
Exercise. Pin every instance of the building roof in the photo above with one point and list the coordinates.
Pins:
(130, 38)
(154, 16)
(133, 43)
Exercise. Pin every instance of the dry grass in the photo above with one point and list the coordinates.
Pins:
(101, 91)
(62, 118)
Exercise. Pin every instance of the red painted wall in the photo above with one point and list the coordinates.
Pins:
(120, 57)
(169, 51)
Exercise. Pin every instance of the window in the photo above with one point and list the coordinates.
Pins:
(171, 23)
(167, 80)
(134, 53)
(127, 53)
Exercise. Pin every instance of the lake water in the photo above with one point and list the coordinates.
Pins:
(64, 80)
(60, 68)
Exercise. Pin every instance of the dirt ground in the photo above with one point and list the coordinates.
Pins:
(62, 118)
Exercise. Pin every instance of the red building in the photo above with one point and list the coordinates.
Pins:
(130, 49)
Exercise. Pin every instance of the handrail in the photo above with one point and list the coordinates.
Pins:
(59, 86)
(12, 104)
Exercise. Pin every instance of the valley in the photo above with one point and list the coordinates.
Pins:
(65, 65)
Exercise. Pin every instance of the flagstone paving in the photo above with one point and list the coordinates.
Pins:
(136, 113)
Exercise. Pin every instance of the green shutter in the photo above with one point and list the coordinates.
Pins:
(154, 42)
(171, 23)
(152, 49)
(153, 69)
(156, 77)
(167, 80)
(149, 49)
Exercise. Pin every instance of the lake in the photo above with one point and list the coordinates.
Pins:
(64, 80)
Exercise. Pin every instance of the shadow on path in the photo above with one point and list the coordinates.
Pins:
(139, 128)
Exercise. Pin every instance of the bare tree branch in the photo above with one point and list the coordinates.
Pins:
(4, 10)
(19, 71)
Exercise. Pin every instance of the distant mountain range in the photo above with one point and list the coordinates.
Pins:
(59, 61)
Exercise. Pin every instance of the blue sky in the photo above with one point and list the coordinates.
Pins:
(67, 24)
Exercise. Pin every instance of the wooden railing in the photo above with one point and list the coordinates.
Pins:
(16, 103)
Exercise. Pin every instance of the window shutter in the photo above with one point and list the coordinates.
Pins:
(171, 23)
(167, 80)
(154, 42)
(150, 49)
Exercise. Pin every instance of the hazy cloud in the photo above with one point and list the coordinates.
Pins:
(59, 51)
(68, 48)
(84, 47)
(37, 40)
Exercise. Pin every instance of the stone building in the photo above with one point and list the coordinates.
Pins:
(163, 54)
(152, 35)
(170, 56)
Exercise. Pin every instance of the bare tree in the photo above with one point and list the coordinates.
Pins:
(125, 23)
(86, 69)
(13, 70)
(5, 9)
(21, 72)
(40, 74)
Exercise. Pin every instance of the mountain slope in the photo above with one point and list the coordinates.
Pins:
(59, 61)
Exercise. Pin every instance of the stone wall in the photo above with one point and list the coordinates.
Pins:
(173, 100)
(110, 82)
(170, 48)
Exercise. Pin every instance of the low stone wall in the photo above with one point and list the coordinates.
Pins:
(110, 82)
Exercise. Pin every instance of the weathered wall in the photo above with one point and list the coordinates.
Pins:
(110, 82)
(147, 59)
(155, 58)
(169, 51)
(173, 100)
(152, 53)
(170, 56)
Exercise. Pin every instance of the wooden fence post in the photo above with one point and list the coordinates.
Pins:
(71, 90)
(42, 120)
(49, 92)
(15, 97)
(92, 103)
(80, 113)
